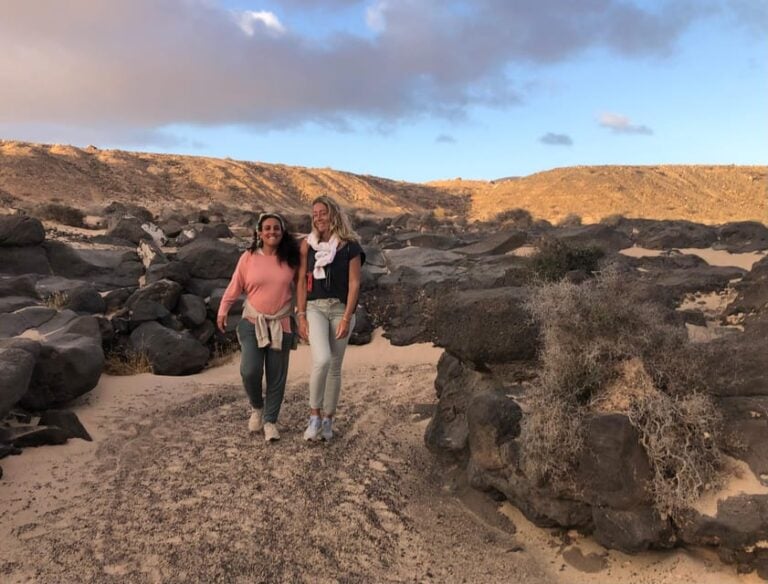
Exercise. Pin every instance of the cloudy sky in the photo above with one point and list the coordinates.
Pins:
(407, 89)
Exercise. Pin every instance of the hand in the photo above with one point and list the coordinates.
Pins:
(343, 329)
(303, 328)
(221, 322)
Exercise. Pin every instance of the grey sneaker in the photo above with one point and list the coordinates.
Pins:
(270, 432)
(327, 429)
(256, 421)
(313, 429)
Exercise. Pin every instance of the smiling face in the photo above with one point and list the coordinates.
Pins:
(270, 232)
(321, 219)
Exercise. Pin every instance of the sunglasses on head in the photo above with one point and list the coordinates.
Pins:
(264, 216)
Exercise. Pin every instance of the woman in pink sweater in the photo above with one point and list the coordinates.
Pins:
(266, 273)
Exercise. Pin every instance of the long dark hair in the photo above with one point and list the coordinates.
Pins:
(287, 249)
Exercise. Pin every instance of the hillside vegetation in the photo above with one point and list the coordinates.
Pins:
(90, 177)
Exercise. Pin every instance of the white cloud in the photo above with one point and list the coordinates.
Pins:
(250, 19)
(374, 16)
(620, 124)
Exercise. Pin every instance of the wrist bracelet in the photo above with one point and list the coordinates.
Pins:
(301, 314)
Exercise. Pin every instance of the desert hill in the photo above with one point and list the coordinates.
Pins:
(705, 194)
(90, 177)
(37, 173)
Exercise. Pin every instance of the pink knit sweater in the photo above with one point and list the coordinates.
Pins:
(267, 283)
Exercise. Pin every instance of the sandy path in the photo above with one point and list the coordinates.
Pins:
(174, 489)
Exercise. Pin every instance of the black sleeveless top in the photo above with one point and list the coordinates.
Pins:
(336, 281)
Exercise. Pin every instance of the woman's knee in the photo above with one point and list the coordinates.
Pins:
(322, 362)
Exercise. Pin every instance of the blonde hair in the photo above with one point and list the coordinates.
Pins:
(341, 227)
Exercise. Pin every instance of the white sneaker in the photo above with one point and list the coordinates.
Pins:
(327, 429)
(313, 429)
(256, 421)
(270, 432)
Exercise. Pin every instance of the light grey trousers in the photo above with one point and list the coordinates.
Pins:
(323, 316)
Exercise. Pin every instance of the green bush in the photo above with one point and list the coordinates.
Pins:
(604, 350)
(555, 258)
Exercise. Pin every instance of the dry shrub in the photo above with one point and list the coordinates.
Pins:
(555, 258)
(517, 218)
(614, 220)
(59, 213)
(127, 363)
(678, 433)
(570, 220)
(604, 350)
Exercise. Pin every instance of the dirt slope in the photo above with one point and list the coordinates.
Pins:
(706, 194)
(91, 178)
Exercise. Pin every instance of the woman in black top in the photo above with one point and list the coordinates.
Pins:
(328, 290)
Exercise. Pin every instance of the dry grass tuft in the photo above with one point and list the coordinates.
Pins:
(223, 354)
(56, 300)
(605, 351)
(127, 363)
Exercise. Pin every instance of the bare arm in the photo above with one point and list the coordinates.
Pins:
(352, 297)
(234, 289)
(301, 293)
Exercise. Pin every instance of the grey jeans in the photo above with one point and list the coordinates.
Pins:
(323, 316)
(253, 364)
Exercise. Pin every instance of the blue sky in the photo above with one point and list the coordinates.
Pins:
(406, 89)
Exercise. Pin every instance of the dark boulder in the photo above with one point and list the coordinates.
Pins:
(742, 236)
(84, 299)
(105, 269)
(31, 436)
(632, 530)
(164, 292)
(127, 228)
(672, 234)
(600, 236)
(31, 317)
(752, 297)
(499, 243)
(614, 468)
(17, 362)
(191, 310)
(173, 270)
(17, 261)
(20, 231)
(456, 383)
(363, 331)
(70, 363)
(169, 352)
(493, 420)
(67, 421)
(210, 259)
(486, 326)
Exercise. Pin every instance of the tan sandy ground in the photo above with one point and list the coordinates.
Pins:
(174, 489)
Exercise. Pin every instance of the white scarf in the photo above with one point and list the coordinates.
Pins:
(325, 251)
